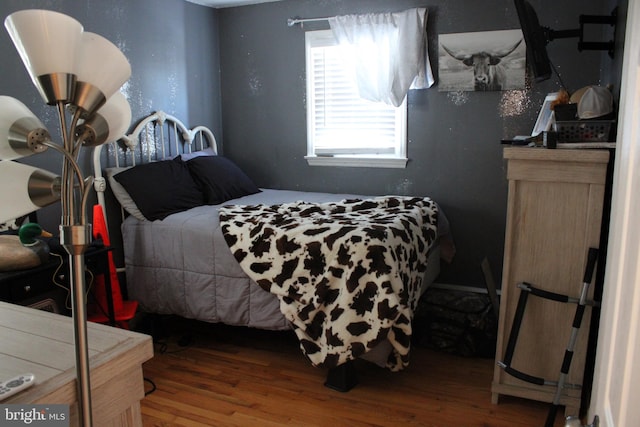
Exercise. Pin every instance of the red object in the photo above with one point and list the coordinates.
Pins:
(99, 312)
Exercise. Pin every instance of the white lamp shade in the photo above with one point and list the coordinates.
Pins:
(108, 124)
(101, 65)
(18, 128)
(117, 113)
(47, 41)
(24, 189)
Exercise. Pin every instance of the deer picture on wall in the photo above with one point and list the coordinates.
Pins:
(482, 61)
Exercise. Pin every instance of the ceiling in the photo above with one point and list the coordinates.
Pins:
(228, 3)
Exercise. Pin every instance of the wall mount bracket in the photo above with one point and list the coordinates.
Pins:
(584, 20)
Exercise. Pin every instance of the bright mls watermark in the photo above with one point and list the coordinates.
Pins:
(34, 415)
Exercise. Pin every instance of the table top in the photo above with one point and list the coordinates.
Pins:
(42, 343)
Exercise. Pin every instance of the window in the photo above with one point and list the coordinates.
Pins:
(342, 128)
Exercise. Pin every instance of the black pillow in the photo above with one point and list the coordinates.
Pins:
(220, 179)
(161, 188)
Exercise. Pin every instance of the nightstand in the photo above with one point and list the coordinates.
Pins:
(35, 287)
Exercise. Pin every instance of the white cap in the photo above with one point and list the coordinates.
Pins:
(593, 102)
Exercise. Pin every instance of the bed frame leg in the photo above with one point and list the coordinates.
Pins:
(342, 378)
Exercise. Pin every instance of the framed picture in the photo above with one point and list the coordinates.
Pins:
(481, 61)
(545, 116)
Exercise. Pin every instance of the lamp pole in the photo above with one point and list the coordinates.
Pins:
(75, 239)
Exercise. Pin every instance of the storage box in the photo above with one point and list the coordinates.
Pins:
(584, 130)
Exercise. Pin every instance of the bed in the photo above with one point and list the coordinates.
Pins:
(206, 244)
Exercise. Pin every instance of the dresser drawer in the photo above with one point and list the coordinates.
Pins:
(18, 286)
(29, 286)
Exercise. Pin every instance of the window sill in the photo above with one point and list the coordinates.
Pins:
(373, 162)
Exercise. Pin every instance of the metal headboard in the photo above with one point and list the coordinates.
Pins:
(156, 137)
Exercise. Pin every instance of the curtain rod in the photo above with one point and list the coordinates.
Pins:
(294, 21)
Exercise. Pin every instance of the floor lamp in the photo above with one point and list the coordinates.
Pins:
(79, 73)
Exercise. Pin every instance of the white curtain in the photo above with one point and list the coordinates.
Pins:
(387, 52)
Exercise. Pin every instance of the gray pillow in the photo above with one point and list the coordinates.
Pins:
(206, 152)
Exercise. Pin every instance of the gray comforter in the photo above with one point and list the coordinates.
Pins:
(183, 266)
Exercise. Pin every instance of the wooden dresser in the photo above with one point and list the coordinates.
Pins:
(42, 343)
(554, 216)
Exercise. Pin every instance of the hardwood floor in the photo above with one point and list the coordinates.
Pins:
(224, 376)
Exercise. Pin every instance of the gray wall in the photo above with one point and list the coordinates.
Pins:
(454, 138)
(172, 46)
(241, 72)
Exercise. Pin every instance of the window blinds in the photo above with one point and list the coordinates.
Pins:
(341, 122)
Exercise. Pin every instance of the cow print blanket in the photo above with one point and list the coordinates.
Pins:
(347, 274)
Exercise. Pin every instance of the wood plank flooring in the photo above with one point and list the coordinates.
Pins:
(224, 376)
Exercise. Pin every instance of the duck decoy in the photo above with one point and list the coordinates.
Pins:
(24, 250)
